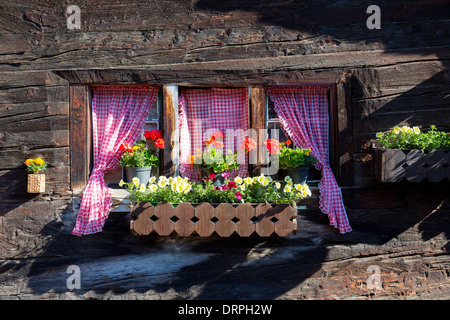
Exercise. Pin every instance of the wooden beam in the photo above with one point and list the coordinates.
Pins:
(170, 129)
(79, 136)
(345, 132)
(257, 121)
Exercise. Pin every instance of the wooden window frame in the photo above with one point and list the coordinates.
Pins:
(80, 128)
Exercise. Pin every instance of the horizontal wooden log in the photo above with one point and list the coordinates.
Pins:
(36, 139)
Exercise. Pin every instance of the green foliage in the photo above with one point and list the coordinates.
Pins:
(214, 159)
(35, 165)
(413, 138)
(295, 157)
(138, 156)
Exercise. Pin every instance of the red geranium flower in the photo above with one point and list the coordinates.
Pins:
(159, 143)
(272, 145)
(248, 144)
(125, 147)
(218, 134)
(288, 142)
(218, 144)
(210, 140)
(155, 134)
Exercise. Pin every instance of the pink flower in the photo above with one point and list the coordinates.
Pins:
(211, 176)
(225, 174)
(238, 195)
(232, 185)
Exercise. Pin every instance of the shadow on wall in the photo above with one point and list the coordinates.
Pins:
(256, 268)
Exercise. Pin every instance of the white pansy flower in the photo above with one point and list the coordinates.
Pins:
(135, 181)
(238, 180)
(142, 187)
(298, 187)
(121, 183)
(152, 179)
(242, 187)
(287, 188)
(416, 130)
(265, 182)
(277, 185)
(153, 187)
(396, 130)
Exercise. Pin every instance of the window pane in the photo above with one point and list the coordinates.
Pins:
(271, 114)
(153, 114)
(278, 134)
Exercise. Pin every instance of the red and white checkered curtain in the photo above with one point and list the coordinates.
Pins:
(202, 112)
(303, 112)
(118, 116)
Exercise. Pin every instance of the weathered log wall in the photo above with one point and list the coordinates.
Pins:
(394, 76)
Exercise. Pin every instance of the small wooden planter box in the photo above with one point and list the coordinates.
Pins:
(394, 165)
(204, 219)
(36, 183)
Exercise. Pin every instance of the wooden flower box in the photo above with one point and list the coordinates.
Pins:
(224, 219)
(395, 165)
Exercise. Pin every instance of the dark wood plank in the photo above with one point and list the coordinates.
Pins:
(79, 136)
(345, 149)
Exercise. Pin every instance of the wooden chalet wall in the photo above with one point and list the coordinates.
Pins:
(397, 75)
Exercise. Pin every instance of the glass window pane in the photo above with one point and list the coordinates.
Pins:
(271, 114)
(153, 114)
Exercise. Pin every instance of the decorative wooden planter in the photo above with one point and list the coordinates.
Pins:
(36, 183)
(204, 219)
(394, 165)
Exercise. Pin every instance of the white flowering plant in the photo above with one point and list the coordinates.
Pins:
(261, 189)
(413, 138)
(173, 190)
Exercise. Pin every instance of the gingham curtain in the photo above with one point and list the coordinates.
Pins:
(303, 112)
(202, 111)
(118, 115)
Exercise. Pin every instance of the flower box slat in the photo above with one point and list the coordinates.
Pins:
(395, 165)
(204, 219)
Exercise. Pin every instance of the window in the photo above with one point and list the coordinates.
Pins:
(151, 122)
(275, 130)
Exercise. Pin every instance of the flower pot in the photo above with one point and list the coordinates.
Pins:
(142, 173)
(217, 181)
(36, 183)
(208, 219)
(298, 175)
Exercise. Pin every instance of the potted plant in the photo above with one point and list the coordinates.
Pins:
(138, 160)
(411, 154)
(295, 161)
(36, 179)
(213, 159)
(241, 205)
